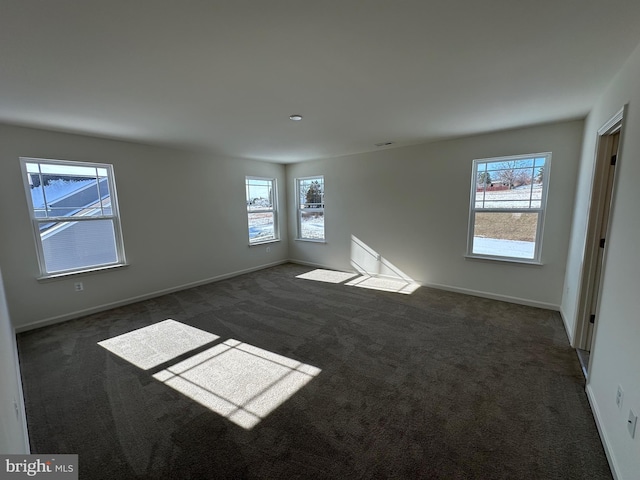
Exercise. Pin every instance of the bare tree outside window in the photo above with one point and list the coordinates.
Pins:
(514, 173)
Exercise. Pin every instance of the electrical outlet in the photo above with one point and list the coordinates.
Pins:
(78, 286)
(268, 249)
(631, 423)
(619, 397)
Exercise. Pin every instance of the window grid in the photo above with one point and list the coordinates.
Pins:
(102, 199)
(530, 200)
(507, 207)
(78, 229)
(262, 212)
(310, 208)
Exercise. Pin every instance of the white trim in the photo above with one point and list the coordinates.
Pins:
(114, 217)
(607, 128)
(23, 412)
(317, 210)
(613, 464)
(524, 261)
(569, 333)
(540, 211)
(274, 210)
(264, 242)
(139, 298)
(304, 263)
(495, 296)
(85, 271)
(449, 288)
(591, 233)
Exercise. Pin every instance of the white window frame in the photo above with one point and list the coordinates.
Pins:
(537, 256)
(273, 210)
(300, 209)
(114, 217)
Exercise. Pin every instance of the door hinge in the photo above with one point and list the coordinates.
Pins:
(602, 240)
(592, 318)
(614, 159)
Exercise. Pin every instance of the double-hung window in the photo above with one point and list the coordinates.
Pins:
(74, 212)
(508, 202)
(310, 206)
(262, 212)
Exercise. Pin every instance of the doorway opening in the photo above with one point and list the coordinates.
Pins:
(602, 194)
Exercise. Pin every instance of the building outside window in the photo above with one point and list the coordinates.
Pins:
(74, 212)
(508, 202)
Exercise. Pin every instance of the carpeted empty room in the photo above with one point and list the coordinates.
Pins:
(272, 376)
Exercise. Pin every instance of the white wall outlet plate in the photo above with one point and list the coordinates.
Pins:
(631, 425)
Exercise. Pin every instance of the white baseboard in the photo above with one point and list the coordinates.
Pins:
(449, 288)
(566, 328)
(495, 296)
(316, 265)
(20, 399)
(139, 298)
(603, 435)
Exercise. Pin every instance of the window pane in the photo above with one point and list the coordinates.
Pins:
(311, 191)
(81, 193)
(67, 169)
(73, 245)
(261, 227)
(505, 234)
(259, 194)
(540, 161)
(66, 196)
(503, 196)
(516, 185)
(312, 224)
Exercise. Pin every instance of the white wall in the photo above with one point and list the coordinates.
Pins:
(616, 351)
(13, 434)
(411, 205)
(183, 221)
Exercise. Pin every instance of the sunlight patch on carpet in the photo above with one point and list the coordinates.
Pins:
(378, 273)
(156, 344)
(328, 276)
(238, 381)
(384, 284)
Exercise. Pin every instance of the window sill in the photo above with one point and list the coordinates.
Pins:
(521, 261)
(56, 276)
(266, 242)
(310, 240)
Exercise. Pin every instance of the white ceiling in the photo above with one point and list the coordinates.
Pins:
(224, 76)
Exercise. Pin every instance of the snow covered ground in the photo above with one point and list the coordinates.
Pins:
(313, 228)
(525, 196)
(503, 248)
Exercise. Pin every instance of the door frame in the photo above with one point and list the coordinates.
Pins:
(597, 204)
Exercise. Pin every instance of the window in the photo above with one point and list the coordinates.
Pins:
(508, 199)
(74, 212)
(310, 203)
(261, 210)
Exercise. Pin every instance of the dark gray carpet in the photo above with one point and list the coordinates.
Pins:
(430, 385)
